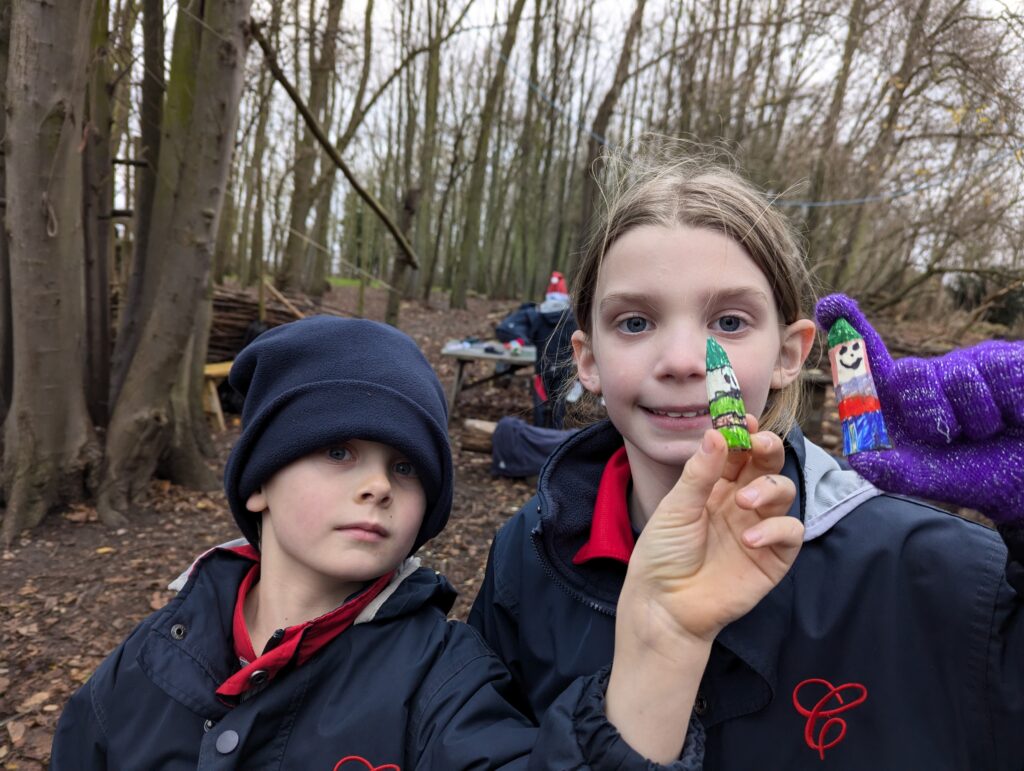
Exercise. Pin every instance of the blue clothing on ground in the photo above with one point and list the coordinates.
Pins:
(912, 608)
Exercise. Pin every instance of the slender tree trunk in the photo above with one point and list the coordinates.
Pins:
(6, 353)
(400, 264)
(602, 120)
(815, 239)
(99, 200)
(164, 151)
(469, 243)
(138, 435)
(304, 191)
(50, 448)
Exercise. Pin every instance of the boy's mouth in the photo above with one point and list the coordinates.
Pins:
(369, 530)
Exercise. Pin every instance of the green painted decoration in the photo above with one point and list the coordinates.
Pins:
(725, 402)
(842, 332)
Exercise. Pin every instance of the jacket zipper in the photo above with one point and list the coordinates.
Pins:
(559, 581)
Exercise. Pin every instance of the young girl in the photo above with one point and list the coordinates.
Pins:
(895, 640)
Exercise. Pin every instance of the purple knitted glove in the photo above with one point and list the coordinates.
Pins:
(956, 421)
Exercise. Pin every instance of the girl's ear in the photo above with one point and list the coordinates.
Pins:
(797, 339)
(257, 502)
(586, 367)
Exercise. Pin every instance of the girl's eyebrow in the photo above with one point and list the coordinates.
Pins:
(626, 298)
(737, 294)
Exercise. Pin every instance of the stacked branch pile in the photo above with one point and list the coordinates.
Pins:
(235, 309)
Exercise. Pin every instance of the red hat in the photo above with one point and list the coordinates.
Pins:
(557, 283)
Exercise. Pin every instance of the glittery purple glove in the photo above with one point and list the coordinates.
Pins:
(956, 421)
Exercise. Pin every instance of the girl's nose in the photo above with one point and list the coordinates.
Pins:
(375, 485)
(683, 355)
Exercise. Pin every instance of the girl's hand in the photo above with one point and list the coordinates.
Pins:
(716, 545)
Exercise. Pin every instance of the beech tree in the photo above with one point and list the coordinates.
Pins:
(51, 454)
(149, 426)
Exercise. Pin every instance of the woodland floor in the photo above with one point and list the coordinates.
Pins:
(72, 589)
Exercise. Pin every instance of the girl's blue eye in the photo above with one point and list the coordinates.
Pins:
(338, 453)
(633, 325)
(405, 469)
(730, 323)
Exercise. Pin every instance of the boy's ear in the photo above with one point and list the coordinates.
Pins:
(797, 339)
(586, 367)
(257, 502)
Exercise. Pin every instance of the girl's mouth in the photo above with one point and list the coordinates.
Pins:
(682, 413)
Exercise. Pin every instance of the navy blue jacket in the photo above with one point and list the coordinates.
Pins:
(401, 689)
(891, 600)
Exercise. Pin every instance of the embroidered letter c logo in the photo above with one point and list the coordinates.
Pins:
(354, 759)
(818, 742)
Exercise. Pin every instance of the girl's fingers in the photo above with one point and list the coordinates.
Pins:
(770, 495)
(685, 502)
(767, 455)
(736, 461)
(785, 534)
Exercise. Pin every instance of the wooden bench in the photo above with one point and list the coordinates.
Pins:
(212, 375)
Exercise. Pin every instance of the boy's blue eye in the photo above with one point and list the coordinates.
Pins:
(405, 469)
(633, 325)
(730, 323)
(338, 453)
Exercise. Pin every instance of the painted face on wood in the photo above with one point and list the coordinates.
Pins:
(849, 360)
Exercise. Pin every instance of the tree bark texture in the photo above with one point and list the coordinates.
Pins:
(137, 437)
(304, 192)
(98, 180)
(50, 447)
(164, 152)
(469, 244)
(600, 127)
(6, 361)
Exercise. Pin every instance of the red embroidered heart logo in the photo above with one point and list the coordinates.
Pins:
(365, 763)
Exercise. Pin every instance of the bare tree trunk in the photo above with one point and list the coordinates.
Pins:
(469, 243)
(223, 250)
(138, 435)
(99, 200)
(6, 353)
(815, 236)
(601, 121)
(164, 152)
(50, 448)
(399, 264)
(304, 192)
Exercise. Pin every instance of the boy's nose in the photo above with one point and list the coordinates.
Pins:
(684, 355)
(375, 485)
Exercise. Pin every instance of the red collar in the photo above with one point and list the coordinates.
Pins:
(298, 643)
(611, 534)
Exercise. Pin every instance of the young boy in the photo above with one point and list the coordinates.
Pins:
(321, 644)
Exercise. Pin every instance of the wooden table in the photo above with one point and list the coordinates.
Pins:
(487, 351)
(212, 375)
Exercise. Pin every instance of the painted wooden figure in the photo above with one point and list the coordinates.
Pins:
(725, 402)
(860, 412)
